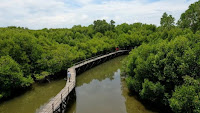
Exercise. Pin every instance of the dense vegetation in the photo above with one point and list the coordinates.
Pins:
(30, 55)
(165, 69)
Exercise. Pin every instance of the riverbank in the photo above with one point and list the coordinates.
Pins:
(99, 86)
(103, 89)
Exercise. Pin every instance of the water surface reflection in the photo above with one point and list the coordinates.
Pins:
(102, 90)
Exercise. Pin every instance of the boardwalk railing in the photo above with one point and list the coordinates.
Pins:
(63, 93)
(87, 59)
(59, 103)
(97, 56)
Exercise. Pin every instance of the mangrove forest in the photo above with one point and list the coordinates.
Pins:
(162, 68)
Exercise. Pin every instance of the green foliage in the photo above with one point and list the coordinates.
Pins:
(152, 91)
(1, 96)
(164, 68)
(39, 53)
(191, 19)
(186, 98)
(157, 68)
(102, 26)
(42, 75)
(11, 76)
(133, 84)
(167, 21)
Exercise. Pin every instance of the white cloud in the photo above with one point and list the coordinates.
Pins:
(38, 14)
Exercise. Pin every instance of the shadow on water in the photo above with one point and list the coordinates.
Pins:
(135, 104)
(32, 99)
(98, 90)
(101, 89)
(71, 101)
(100, 72)
(19, 92)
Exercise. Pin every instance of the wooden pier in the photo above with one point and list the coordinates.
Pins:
(58, 104)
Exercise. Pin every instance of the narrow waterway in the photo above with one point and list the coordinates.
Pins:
(103, 90)
(32, 99)
(98, 90)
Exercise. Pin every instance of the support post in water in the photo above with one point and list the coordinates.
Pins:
(60, 106)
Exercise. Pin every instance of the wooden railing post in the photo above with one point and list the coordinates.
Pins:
(61, 107)
(52, 107)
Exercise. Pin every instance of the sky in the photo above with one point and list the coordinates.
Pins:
(38, 14)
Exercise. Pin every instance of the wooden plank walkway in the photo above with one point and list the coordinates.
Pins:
(100, 57)
(55, 102)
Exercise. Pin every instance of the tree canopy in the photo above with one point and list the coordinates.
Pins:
(167, 21)
(36, 54)
(164, 69)
(190, 18)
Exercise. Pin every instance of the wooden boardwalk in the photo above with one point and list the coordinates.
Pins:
(58, 103)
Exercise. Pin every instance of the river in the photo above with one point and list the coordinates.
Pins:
(98, 90)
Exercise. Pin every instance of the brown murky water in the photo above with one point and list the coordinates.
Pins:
(99, 90)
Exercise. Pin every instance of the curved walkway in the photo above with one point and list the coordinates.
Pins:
(55, 105)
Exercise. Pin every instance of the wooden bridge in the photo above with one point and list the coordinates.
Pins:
(59, 103)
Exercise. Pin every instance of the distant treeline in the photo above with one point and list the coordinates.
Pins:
(165, 68)
(30, 55)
